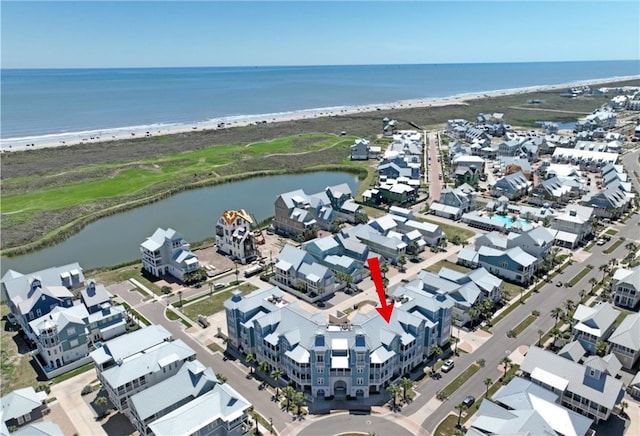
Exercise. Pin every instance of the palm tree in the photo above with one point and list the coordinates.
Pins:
(402, 262)
(487, 382)
(454, 320)
(262, 366)
(593, 281)
(413, 249)
(623, 405)
(289, 393)
(461, 408)
(582, 293)
(601, 348)
(235, 263)
(405, 384)
(180, 296)
(250, 358)
(569, 305)
(556, 313)
(481, 363)
(535, 313)
(221, 377)
(507, 363)
(555, 332)
(540, 333)
(434, 349)
(384, 269)
(605, 269)
(394, 390)
(102, 402)
(299, 400)
(275, 375)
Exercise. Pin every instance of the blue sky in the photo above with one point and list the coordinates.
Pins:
(54, 34)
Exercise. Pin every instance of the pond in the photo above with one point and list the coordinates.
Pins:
(116, 239)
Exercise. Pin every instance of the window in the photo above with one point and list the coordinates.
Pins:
(360, 369)
(359, 381)
(39, 312)
(71, 331)
(320, 380)
(73, 343)
(320, 358)
(321, 370)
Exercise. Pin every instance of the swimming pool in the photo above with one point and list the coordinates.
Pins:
(508, 221)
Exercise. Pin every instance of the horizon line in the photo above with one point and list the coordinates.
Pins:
(317, 65)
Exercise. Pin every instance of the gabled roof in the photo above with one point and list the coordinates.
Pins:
(603, 390)
(628, 333)
(129, 344)
(18, 284)
(20, 402)
(157, 240)
(222, 402)
(42, 428)
(191, 381)
(595, 320)
(573, 351)
(629, 276)
(95, 294)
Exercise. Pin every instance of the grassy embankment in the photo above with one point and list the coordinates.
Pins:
(80, 196)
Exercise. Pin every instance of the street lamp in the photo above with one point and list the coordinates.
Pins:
(271, 425)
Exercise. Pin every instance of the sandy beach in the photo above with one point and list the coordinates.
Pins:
(115, 134)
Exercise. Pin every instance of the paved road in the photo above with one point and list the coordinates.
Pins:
(344, 423)
(434, 168)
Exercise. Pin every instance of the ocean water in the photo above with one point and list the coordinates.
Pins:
(45, 102)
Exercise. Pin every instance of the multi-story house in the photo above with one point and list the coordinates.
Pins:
(94, 296)
(585, 389)
(15, 284)
(142, 370)
(118, 349)
(465, 290)
(626, 287)
(296, 270)
(625, 340)
(610, 203)
(234, 236)
(337, 357)
(22, 406)
(513, 264)
(536, 241)
(222, 411)
(593, 324)
(167, 252)
(512, 186)
(334, 253)
(174, 399)
(297, 213)
(360, 149)
(576, 220)
(64, 335)
(33, 295)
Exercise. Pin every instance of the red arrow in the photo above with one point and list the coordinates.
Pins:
(386, 310)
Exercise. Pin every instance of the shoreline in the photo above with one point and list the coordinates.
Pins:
(154, 130)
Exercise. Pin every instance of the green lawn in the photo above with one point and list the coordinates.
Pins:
(447, 264)
(460, 380)
(75, 372)
(125, 273)
(580, 275)
(450, 230)
(611, 232)
(447, 427)
(210, 305)
(511, 290)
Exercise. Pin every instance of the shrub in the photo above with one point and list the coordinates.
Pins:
(86, 390)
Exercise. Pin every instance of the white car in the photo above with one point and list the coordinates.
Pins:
(218, 285)
(447, 366)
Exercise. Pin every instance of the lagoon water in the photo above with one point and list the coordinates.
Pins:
(41, 102)
(116, 239)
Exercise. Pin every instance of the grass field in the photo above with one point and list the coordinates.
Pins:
(450, 230)
(210, 305)
(583, 272)
(126, 273)
(524, 324)
(446, 264)
(613, 246)
(460, 380)
(16, 369)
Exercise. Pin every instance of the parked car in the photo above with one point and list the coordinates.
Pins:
(559, 284)
(447, 366)
(601, 242)
(469, 400)
(218, 285)
(11, 318)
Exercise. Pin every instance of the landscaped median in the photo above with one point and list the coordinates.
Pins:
(613, 246)
(459, 381)
(579, 276)
(209, 304)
